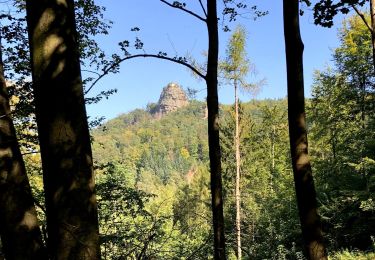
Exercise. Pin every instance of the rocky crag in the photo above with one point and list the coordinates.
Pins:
(171, 98)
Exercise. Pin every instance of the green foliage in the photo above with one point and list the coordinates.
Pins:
(90, 23)
(348, 255)
(268, 202)
(159, 168)
(167, 159)
(342, 137)
(236, 65)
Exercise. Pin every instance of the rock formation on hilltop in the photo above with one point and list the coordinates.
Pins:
(171, 98)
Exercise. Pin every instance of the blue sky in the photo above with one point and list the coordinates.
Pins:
(140, 81)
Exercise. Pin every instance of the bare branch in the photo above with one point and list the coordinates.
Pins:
(33, 152)
(360, 14)
(108, 70)
(185, 10)
(93, 72)
(204, 10)
(40, 206)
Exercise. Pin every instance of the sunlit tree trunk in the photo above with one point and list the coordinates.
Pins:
(273, 148)
(19, 229)
(238, 176)
(213, 131)
(72, 219)
(304, 184)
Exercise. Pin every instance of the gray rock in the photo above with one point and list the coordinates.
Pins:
(171, 98)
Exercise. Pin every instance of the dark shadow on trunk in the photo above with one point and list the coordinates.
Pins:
(213, 131)
(71, 207)
(304, 184)
(19, 228)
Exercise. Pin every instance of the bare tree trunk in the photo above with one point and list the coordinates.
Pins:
(19, 228)
(273, 148)
(238, 162)
(304, 184)
(72, 219)
(213, 131)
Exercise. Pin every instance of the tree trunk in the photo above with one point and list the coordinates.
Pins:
(238, 162)
(273, 148)
(19, 228)
(72, 219)
(372, 14)
(273, 136)
(304, 184)
(213, 131)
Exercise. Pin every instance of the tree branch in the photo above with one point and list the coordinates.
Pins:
(185, 10)
(107, 70)
(93, 72)
(33, 152)
(36, 202)
(360, 14)
(204, 10)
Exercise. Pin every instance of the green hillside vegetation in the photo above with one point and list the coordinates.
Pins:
(153, 185)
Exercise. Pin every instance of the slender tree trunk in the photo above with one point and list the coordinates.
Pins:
(213, 131)
(19, 227)
(72, 219)
(273, 134)
(238, 162)
(372, 14)
(273, 148)
(304, 184)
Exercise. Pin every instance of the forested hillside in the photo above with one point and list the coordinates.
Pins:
(153, 185)
(164, 164)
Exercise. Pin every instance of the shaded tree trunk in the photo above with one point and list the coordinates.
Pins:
(19, 228)
(72, 219)
(372, 14)
(213, 131)
(304, 184)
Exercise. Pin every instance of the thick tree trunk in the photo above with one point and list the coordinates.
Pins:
(213, 131)
(372, 14)
(238, 176)
(72, 219)
(304, 184)
(19, 228)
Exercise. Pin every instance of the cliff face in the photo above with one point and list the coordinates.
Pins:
(171, 98)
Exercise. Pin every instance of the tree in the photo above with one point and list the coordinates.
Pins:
(90, 23)
(236, 67)
(353, 61)
(210, 19)
(19, 229)
(324, 11)
(304, 184)
(72, 219)
(213, 130)
(342, 114)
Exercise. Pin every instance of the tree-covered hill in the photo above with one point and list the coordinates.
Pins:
(153, 184)
(167, 158)
(170, 144)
